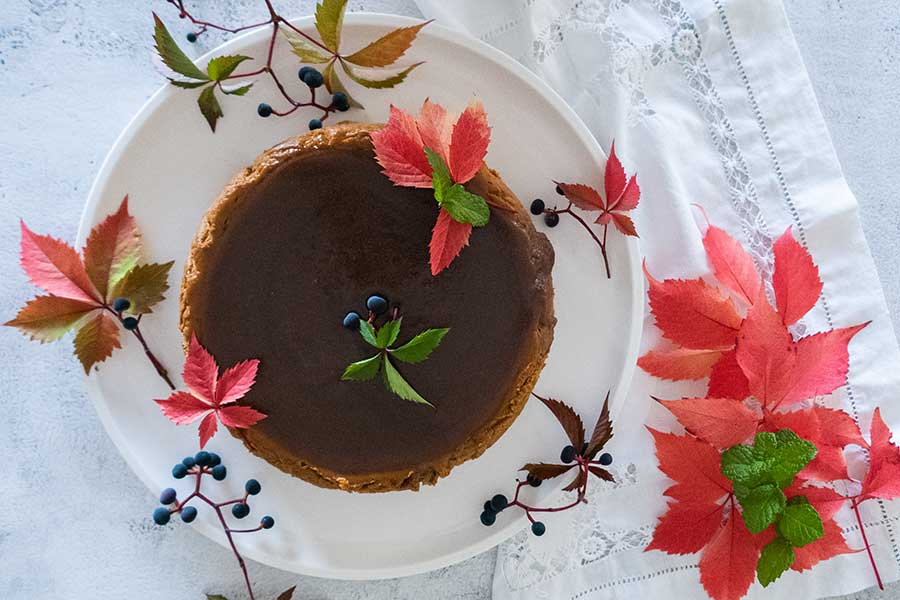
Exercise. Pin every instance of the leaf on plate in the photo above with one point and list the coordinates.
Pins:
(568, 419)
(330, 21)
(221, 67)
(144, 286)
(387, 49)
(55, 267)
(48, 318)
(113, 248)
(544, 471)
(334, 85)
(172, 55)
(209, 106)
(602, 433)
(305, 50)
(379, 84)
(96, 340)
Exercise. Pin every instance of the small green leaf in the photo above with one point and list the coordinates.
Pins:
(368, 333)
(363, 370)
(776, 558)
(420, 347)
(240, 91)
(440, 174)
(221, 67)
(739, 464)
(172, 55)
(790, 455)
(466, 207)
(800, 524)
(209, 106)
(188, 85)
(305, 50)
(399, 386)
(333, 84)
(388, 333)
(330, 21)
(762, 506)
(774, 458)
(379, 84)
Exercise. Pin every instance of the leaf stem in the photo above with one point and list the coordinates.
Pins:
(160, 369)
(602, 243)
(854, 502)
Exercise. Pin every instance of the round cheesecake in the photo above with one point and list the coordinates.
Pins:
(305, 235)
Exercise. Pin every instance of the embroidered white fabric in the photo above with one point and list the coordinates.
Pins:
(709, 102)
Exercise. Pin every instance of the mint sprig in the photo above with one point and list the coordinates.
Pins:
(760, 473)
(415, 350)
(462, 205)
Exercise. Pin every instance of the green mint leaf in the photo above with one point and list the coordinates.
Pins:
(776, 558)
(790, 455)
(368, 333)
(188, 85)
(306, 51)
(762, 505)
(465, 207)
(739, 464)
(800, 524)
(774, 458)
(209, 106)
(399, 386)
(440, 175)
(238, 91)
(221, 67)
(363, 370)
(420, 347)
(388, 333)
(172, 55)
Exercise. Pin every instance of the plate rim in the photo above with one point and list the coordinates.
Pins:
(490, 53)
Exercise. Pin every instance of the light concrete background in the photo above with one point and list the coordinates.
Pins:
(74, 520)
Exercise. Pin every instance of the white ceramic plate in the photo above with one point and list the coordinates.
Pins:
(173, 167)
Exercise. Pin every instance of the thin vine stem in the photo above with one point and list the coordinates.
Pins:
(602, 243)
(160, 369)
(854, 502)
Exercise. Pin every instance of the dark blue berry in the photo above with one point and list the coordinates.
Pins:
(605, 459)
(568, 454)
(488, 518)
(202, 458)
(267, 522)
(161, 516)
(377, 304)
(240, 510)
(303, 72)
(192, 37)
(351, 321)
(130, 323)
(188, 514)
(551, 219)
(179, 471)
(537, 207)
(313, 78)
(340, 101)
(533, 480)
(315, 124)
(559, 190)
(219, 472)
(168, 496)
(188, 461)
(488, 506)
(252, 487)
(499, 502)
(538, 528)
(214, 459)
(264, 110)
(121, 304)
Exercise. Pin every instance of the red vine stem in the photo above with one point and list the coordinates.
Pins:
(855, 504)
(160, 369)
(568, 211)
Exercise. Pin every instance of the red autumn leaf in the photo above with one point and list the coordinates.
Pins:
(583, 196)
(212, 397)
(576, 483)
(731, 264)
(96, 339)
(829, 430)
(723, 423)
(621, 193)
(448, 239)
(686, 527)
(113, 248)
(795, 280)
(568, 419)
(728, 564)
(624, 224)
(400, 151)
(826, 501)
(828, 546)
(727, 380)
(48, 318)
(55, 267)
(692, 313)
(680, 364)
(469, 143)
(693, 465)
(435, 129)
(883, 477)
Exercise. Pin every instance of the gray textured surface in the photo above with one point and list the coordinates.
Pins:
(74, 520)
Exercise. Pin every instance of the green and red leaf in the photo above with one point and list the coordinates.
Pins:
(113, 248)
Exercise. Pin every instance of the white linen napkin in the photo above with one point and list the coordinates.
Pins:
(709, 102)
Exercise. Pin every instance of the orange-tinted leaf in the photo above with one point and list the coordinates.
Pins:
(569, 419)
(795, 280)
(728, 564)
(48, 318)
(583, 196)
(448, 239)
(387, 49)
(113, 248)
(727, 380)
(96, 339)
(680, 364)
(469, 142)
(55, 267)
(694, 466)
(400, 152)
(624, 223)
(435, 128)
(693, 314)
(883, 478)
(731, 264)
(144, 286)
(723, 423)
(686, 527)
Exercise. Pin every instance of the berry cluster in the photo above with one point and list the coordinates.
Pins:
(198, 465)
(313, 80)
(376, 305)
